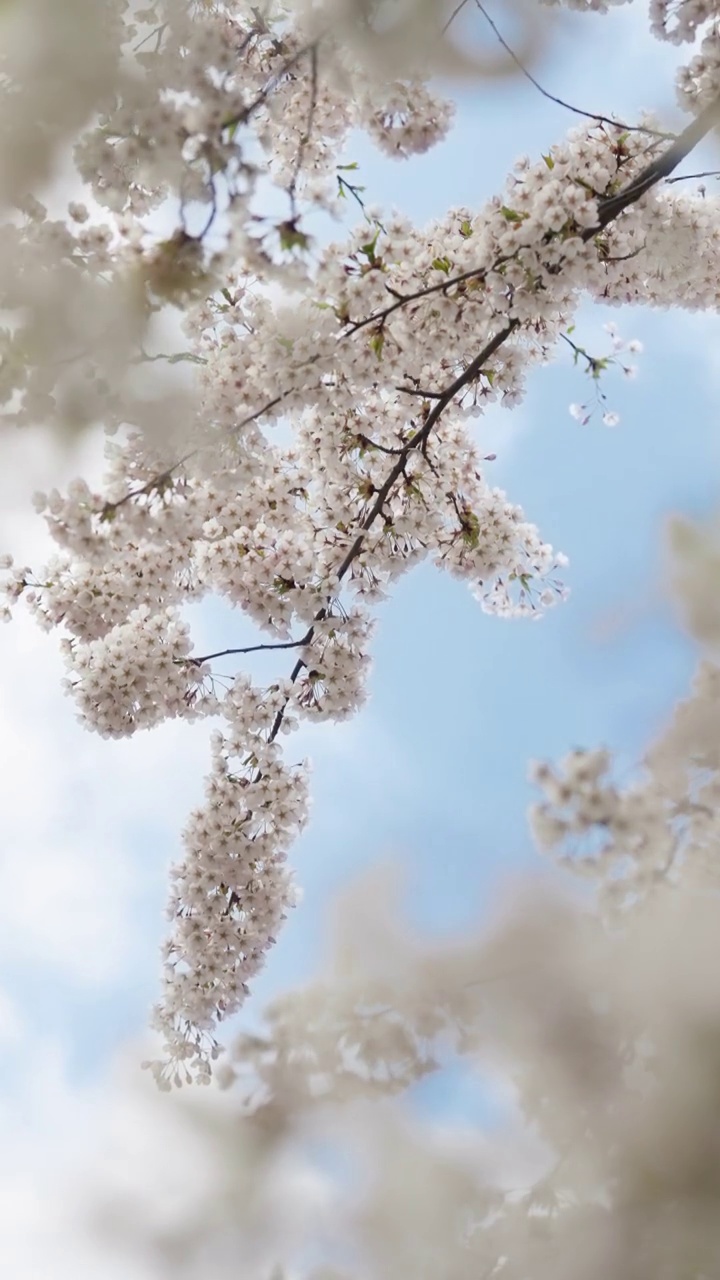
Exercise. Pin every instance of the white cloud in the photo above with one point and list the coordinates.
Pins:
(82, 818)
(12, 1026)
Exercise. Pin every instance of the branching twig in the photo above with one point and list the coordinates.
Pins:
(164, 476)
(402, 299)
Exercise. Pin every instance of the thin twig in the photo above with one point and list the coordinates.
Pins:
(560, 102)
(458, 9)
(157, 32)
(251, 648)
(688, 177)
(165, 475)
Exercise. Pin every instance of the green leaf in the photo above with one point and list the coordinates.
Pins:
(346, 167)
(512, 215)
(291, 238)
(470, 529)
(442, 264)
(549, 161)
(369, 248)
(465, 229)
(377, 342)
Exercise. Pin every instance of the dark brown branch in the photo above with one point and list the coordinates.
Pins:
(402, 299)
(420, 438)
(612, 206)
(418, 441)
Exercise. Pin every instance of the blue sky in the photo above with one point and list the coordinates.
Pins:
(433, 770)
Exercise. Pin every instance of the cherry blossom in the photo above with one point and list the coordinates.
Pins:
(322, 431)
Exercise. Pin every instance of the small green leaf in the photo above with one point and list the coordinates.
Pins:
(512, 215)
(442, 264)
(549, 161)
(369, 248)
(291, 238)
(465, 229)
(377, 342)
(346, 167)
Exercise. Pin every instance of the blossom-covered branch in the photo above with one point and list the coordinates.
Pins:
(375, 466)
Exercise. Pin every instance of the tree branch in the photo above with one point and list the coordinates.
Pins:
(402, 299)
(687, 177)
(608, 210)
(612, 206)
(251, 648)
